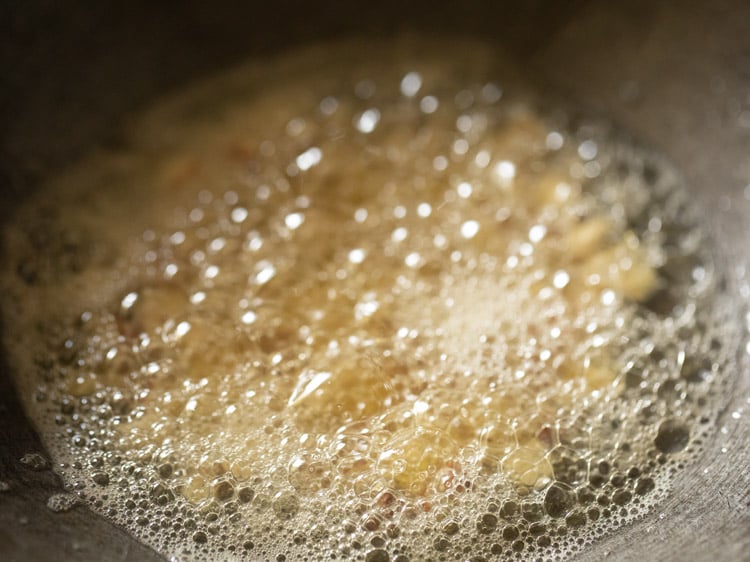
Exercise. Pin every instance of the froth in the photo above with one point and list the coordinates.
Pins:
(376, 312)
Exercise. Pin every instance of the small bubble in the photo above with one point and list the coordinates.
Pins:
(309, 158)
(424, 210)
(295, 127)
(428, 104)
(200, 537)
(672, 437)
(357, 255)
(286, 505)
(368, 121)
(558, 501)
(588, 149)
(60, 503)
(329, 105)
(460, 147)
(410, 84)
(245, 495)
(464, 123)
(469, 229)
(487, 523)
(100, 478)
(554, 141)
(224, 491)
(491, 93)
(464, 99)
(482, 159)
(34, 461)
(621, 497)
(505, 171)
(561, 279)
(211, 272)
(248, 317)
(413, 260)
(377, 555)
(575, 519)
(360, 215)
(644, 486)
(128, 300)
(464, 190)
(266, 272)
(294, 220)
(537, 233)
(196, 215)
(364, 89)
(400, 234)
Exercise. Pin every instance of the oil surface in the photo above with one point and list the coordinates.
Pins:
(372, 304)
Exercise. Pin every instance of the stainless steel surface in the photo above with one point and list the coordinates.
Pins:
(680, 81)
(676, 76)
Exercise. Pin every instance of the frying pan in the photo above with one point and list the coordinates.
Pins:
(674, 75)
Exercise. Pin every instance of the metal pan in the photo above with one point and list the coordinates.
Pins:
(676, 76)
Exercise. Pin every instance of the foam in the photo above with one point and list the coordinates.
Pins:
(306, 314)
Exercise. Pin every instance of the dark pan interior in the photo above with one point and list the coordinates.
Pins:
(675, 75)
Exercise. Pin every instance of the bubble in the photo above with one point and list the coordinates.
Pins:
(34, 461)
(469, 229)
(410, 84)
(357, 255)
(487, 523)
(441, 544)
(537, 233)
(532, 511)
(554, 140)
(588, 150)
(200, 537)
(245, 495)
(429, 104)
(265, 272)
(286, 505)
(644, 486)
(60, 503)
(505, 171)
(248, 317)
(224, 490)
(491, 92)
(510, 533)
(100, 478)
(575, 519)
(558, 501)
(464, 190)
(561, 279)
(368, 120)
(622, 497)
(451, 528)
(377, 555)
(309, 158)
(672, 437)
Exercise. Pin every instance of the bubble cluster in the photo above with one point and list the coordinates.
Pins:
(379, 312)
(34, 461)
(62, 502)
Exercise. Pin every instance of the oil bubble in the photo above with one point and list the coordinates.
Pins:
(672, 437)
